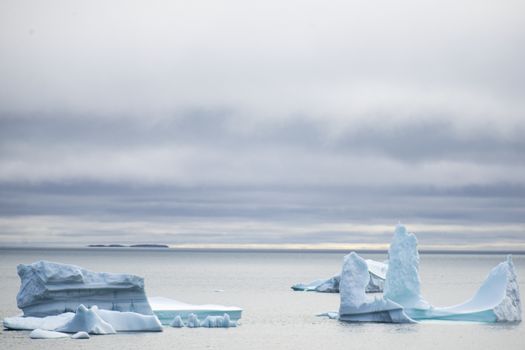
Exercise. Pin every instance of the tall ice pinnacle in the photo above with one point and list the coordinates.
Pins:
(402, 283)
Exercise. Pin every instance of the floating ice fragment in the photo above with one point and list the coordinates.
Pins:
(377, 271)
(331, 315)
(167, 309)
(177, 322)
(80, 335)
(193, 321)
(218, 322)
(45, 334)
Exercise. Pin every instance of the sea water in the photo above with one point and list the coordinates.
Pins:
(274, 316)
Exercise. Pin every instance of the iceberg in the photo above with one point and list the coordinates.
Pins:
(356, 305)
(376, 269)
(49, 288)
(45, 334)
(167, 309)
(497, 300)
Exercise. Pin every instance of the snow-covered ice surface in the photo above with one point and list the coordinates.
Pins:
(356, 305)
(47, 288)
(87, 320)
(377, 272)
(167, 309)
(130, 321)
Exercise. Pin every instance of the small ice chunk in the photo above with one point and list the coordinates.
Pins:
(331, 315)
(177, 322)
(80, 335)
(45, 334)
(87, 320)
(193, 321)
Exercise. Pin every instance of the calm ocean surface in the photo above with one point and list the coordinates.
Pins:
(274, 316)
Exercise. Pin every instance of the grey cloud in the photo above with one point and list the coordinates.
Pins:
(285, 113)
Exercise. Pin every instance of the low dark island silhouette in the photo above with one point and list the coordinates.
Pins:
(128, 246)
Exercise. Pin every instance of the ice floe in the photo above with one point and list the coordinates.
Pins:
(45, 334)
(167, 309)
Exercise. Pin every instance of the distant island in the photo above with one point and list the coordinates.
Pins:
(128, 246)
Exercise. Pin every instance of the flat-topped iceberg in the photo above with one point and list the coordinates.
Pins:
(49, 288)
(356, 305)
(377, 271)
(168, 309)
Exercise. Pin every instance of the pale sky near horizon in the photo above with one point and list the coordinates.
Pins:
(275, 123)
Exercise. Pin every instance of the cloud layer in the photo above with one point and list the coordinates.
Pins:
(278, 123)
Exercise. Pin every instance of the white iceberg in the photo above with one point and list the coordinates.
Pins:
(402, 284)
(167, 309)
(497, 300)
(377, 271)
(47, 289)
(356, 305)
(87, 320)
(45, 334)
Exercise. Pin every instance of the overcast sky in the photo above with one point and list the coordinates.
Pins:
(262, 123)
